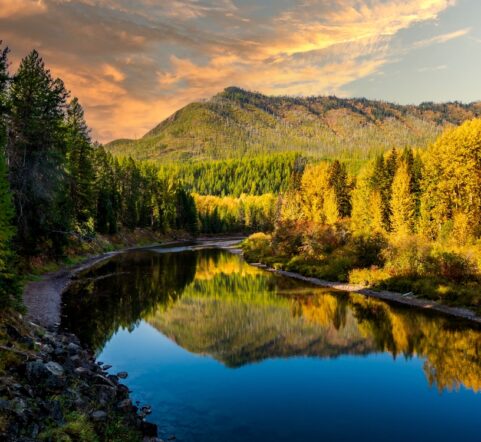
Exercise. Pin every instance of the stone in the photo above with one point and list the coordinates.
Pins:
(113, 378)
(106, 367)
(148, 429)
(73, 348)
(83, 372)
(51, 374)
(103, 380)
(125, 405)
(54, 368)
(123, 375)
(99, 416)
(146, 409)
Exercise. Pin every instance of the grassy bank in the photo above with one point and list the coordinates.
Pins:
(80, 249)
(430, 270)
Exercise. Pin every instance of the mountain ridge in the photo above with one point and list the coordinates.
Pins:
(236, 123)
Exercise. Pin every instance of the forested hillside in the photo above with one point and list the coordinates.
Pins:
(236, 123)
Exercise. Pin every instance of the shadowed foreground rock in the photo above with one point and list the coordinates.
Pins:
(52, 389)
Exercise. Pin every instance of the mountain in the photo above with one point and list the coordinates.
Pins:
(236, 123)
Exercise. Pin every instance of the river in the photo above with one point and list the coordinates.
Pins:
(227, 352)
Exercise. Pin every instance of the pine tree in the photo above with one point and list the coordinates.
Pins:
(80, 163)
(403, 205)
(37, 157)
(338, 180)
(9, 288)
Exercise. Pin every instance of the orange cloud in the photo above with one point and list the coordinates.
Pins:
(132, 64)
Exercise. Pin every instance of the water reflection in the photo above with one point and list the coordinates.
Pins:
(211, 302)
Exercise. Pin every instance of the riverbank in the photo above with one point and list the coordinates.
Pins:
(52, 389)
(257, 254)
(408, 299)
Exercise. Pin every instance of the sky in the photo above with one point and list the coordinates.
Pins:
(132, 63)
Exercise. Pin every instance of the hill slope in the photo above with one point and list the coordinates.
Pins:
(236, 123)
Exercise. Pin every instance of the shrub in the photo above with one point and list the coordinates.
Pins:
(452, 266)
(322, 239)
(408, 256)
(368, 249)
(257, 246)
(368, 277)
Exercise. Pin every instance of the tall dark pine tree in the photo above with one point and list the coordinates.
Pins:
(338, 180)
(186, 212)
(80, 163)
(107, 197)
(8, 280)
(37, 157)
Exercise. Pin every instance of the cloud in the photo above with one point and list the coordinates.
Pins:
(133, 63)
(443, 38)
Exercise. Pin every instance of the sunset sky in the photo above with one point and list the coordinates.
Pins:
(132, 63)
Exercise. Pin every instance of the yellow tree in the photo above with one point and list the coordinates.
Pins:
(314, 188)
(452, 180)
(403, 204)
(367, 205)
(330, 207)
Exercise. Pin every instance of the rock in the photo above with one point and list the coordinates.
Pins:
(56, 411)
(148, 429)
(54, 368)
(73, 348)
(76, 360)
(113, 378)
(146, 409)
(171, 437)
(51, 374)
(106, 367)
(125, 405)
(4, 405)
(83, 372)
(103, 380)
(99, 416)
(123, 375)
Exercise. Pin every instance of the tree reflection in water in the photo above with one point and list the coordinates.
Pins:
(211, 302)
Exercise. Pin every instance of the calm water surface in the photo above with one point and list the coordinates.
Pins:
(226, 352)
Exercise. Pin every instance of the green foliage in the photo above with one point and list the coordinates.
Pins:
(250, 175)
(80, 164)
(77, 428)
(9, 289)
(37, 157)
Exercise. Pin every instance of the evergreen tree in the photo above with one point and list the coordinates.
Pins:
(338, 180)
(37, 157)
(80, 163)
(9, 288)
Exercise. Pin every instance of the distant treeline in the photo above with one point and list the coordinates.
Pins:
(251, 175)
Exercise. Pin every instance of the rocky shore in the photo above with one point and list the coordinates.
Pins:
(52, 389)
